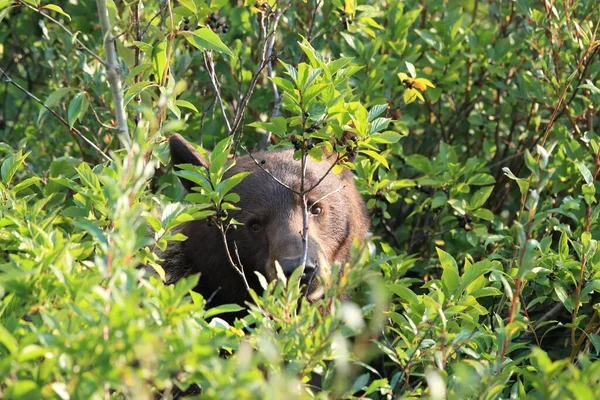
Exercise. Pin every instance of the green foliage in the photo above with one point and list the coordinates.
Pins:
(471, 128)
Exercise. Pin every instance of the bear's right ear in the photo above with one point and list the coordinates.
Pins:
(184, 153)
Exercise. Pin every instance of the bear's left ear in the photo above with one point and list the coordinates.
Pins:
(184, 153)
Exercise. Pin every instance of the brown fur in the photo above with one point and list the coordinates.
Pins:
(277, 210)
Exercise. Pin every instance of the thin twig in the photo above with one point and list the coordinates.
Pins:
(266, 56)
(98, 117)
(277, 99)
(212, 296)
(239, 270)
(268, 173)
(327, 195)
(159, 12)
(73, 131)
(337, 158)
(210, 67)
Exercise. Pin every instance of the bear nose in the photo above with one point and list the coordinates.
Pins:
(289, 265)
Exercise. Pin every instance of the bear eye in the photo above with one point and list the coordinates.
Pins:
(316, 210)
(254, 226)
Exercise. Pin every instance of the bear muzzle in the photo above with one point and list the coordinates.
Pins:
(313, 276)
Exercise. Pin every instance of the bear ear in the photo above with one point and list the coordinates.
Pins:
(182, 152)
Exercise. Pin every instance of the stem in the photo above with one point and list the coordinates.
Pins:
(210, 68)
(304, 209)
(266, 55)
(113, 70)
(239, 270)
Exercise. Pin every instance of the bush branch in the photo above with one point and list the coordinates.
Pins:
(113, 69)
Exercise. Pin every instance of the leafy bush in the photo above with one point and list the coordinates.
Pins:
(472, 132)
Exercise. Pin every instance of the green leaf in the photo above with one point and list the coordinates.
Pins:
(595, 340)
(34, 180)
(563, 246)
(284, 84)
(377, 156)
(473, 272)
(483, 213)
(591, 87)
(439, 199)
(56, 8)
(481, 180)
(8, 340)
(404, 293)
(136, 89)
(11, 165)
(222, 309)
(52, 101)
(360, 383)
(563, 296)
(226, 185)
(186, 104)
(450, 277)
(143, 46)
(375, 111)
(590, 287)
(419, 162)
(315, 58)
(159, 60)
(190, 173)
(190, 5)
(206, 39)
(4, 4)
(479, 197)
(385, 137)
(531, 164)
(24, 390)
(77, 108)
(585, 172)
(378, 124)
(88, 177)
(277, 125)
(93, 230)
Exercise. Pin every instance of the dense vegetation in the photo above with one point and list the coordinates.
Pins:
(475, 126)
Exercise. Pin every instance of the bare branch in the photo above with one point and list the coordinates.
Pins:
(327, 195)
(239, 270)
(113, 69)
(270, 174)
(73, 131)
(276, 102)
(212, 296)
(276, 95)
(337, 158)
(266, 56)
(210, 67)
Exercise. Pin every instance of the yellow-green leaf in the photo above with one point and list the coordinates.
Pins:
(205, 39)
(56, 8)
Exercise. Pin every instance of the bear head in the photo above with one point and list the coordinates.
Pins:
(272, 227)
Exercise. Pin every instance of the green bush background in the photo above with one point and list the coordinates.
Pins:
(481, 279)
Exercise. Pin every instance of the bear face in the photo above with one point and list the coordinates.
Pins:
(272, 226)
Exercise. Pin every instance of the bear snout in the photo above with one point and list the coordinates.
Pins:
(289, 265)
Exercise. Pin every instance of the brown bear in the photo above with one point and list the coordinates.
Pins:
(272, 226)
